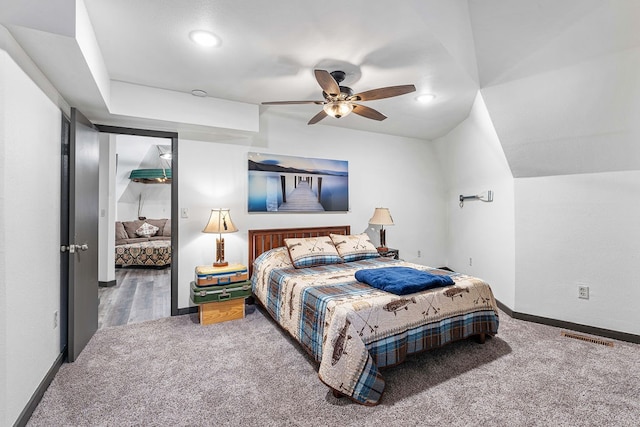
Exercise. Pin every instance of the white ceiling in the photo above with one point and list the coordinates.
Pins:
(269, 51)
(536, 62)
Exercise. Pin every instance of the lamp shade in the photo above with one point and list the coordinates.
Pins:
(381, 216)
(220, 222)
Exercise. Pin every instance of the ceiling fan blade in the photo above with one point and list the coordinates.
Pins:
(383, 92)
(327, 82)
(315, 119)
(292, 102)
(367, 112)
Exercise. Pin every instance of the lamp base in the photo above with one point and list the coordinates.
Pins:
(220, 262)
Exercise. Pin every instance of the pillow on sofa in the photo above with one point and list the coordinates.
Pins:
(147, 230)
(310, 251)
(354, 247)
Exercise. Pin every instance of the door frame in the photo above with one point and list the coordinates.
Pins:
(65, 182)
(117, 130)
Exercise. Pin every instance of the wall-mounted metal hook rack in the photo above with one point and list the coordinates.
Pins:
(482, 197)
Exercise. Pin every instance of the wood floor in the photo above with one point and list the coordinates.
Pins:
(139, 295)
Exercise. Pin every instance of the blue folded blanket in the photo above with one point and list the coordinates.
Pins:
(401, 280)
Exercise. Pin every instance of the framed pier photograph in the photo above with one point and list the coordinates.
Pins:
(297, 184)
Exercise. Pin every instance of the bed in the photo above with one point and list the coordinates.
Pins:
(353, 330)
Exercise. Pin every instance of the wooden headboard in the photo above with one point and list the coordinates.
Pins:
(262, 240)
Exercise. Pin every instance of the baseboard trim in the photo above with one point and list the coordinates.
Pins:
(187, 310)
(504, 308)
(108, 284)
(592, 330)
(26, 413)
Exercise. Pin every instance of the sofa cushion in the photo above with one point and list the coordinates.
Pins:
(160, 223)
(121, 233)
(131, 227)
(133, 241)
(166, 231)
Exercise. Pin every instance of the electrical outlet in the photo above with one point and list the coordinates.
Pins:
(419, 253)
(184, 212)
(55, 319)
(470, 261)
(583, 292)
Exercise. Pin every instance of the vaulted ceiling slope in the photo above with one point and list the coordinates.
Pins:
(559, 77)
(561, 81)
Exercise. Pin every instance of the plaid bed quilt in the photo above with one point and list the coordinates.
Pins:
(352, 330)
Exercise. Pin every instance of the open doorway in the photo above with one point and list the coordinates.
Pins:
(138, 231)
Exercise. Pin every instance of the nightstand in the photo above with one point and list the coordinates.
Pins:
(390, 253)
(216, 312)
(219, 303)
(220, 292)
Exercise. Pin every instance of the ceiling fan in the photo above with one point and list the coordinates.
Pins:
(340, 100)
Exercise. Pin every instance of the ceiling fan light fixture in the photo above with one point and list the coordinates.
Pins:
(338, 109)
(425, 98)
(204, 38)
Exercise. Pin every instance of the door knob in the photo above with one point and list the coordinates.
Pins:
(73, 248)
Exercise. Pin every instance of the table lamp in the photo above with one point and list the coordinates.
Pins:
(382, 217)
(220, 222)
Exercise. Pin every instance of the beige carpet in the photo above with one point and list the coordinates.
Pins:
(175, 372)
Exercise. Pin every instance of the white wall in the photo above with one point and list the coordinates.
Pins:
(154, 200)
(543, 236)
(3, 246)
(395, 172)
(579, 229)
(473, 162)
(30, 126)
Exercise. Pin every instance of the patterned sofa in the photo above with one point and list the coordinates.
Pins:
(143, 243)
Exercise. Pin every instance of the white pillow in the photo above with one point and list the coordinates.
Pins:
(147, 230)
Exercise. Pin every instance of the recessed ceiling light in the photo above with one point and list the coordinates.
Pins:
(204, 38)
(425, 97)
(199, 92)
